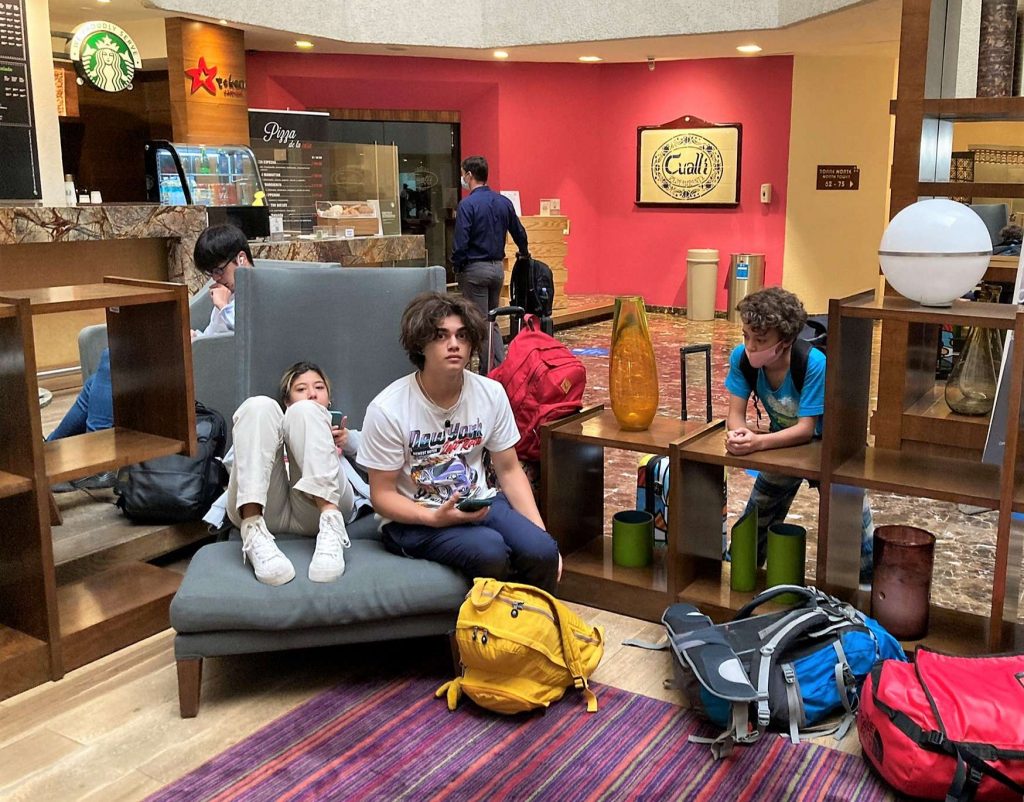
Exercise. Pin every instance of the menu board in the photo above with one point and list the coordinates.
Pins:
(19, 180)
(290, 149)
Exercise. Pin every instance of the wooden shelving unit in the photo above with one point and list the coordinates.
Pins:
(849, 466)
(572, 503)
(48, 627)
(907, 373)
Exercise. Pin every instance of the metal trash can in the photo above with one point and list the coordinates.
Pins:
(746, 276)
(701, 283)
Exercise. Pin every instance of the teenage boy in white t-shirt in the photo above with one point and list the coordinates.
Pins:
(423, 442)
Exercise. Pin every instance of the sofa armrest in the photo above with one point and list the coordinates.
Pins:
(91, 342)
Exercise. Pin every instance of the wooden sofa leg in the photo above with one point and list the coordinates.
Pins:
(190, 680)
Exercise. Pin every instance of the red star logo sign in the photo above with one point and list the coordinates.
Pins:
(202, 77)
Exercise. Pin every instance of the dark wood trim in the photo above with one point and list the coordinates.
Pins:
(393, 115)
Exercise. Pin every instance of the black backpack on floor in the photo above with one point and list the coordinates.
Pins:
(532, 286)
(177, 488)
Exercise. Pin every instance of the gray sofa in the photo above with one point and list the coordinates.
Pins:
(347, 321)
(213, 356)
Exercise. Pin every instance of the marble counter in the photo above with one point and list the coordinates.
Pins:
(179, 225)
(356, 252)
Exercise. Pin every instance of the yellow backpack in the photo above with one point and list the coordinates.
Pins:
(520, 648)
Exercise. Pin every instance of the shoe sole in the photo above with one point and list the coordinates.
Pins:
(324, 576)
(274, 581)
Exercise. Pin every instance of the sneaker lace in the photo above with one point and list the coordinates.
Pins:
(330, 541)
(260, 545)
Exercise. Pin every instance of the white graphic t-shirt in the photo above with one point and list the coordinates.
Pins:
(439, 451)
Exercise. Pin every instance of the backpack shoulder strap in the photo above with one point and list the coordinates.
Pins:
(798, 363)
(749, 372)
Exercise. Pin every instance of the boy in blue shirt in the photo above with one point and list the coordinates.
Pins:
(772, 321)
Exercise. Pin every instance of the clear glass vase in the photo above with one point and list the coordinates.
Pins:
(971, 386)
(633, 372)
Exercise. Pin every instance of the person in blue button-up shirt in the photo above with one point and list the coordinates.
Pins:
(483, 219)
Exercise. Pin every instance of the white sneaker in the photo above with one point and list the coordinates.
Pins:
(328, 561)
(268, 561)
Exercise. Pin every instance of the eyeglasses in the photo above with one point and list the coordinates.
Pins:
(217, 272)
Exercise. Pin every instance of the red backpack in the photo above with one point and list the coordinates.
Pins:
(543, 380)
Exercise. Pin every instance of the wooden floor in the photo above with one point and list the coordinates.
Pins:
(111, 731)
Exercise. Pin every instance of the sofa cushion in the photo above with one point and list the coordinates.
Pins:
(220, 593)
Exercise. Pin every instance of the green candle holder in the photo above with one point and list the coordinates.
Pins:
(787, 545)
(632, 538)
(743, 553)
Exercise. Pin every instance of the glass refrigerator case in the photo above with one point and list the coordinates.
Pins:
(224, 178)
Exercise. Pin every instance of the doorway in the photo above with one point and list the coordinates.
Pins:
(428, 174)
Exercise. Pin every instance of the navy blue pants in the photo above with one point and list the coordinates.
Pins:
(504, 545)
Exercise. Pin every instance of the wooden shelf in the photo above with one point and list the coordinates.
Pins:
(942, 478)
(595, 560)
(24, 662)
(803, 461)
(970, 189)
(602, 429)
(105, 450)
(964, 313)
(930, 420)
(48, 300)
(109, 610)
(1002, 268)
(969, 108)
(12, 485)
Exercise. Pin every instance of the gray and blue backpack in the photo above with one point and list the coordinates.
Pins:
(789, 670)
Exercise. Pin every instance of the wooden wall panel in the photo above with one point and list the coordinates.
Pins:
(210, 105)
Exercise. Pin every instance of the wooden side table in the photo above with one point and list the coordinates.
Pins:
(572, 503)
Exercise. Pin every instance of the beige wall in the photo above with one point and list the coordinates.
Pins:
(840, 116)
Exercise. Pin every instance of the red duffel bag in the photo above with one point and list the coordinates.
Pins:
(947, 727)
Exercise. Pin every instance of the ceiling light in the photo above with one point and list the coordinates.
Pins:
(749, 48)
(590, 59)
(102, 1)
(303, 44)
(222, 21)
(501, 54)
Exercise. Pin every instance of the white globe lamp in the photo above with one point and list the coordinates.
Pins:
(935, 251)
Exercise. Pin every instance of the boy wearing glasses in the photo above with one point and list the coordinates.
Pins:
(219, 251)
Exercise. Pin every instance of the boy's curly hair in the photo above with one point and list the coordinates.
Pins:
(774, 308)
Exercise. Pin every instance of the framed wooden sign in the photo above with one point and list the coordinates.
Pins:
(688, 162)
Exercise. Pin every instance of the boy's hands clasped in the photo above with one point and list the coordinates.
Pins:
(741, 441)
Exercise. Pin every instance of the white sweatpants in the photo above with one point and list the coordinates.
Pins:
(261, 433)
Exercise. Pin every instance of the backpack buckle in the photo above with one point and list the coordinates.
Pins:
(934, 738)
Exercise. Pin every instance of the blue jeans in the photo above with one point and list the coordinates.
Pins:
(94, 408)
(504, 545)
(773, 495)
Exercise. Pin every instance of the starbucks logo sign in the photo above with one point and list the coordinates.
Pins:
(104, 56)
(687, 166)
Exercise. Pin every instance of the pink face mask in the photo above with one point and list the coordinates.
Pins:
(765, 357)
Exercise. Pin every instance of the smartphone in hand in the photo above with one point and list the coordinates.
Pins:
(336, 417)
(474, 504)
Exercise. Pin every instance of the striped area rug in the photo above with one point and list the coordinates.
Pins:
(394, 741)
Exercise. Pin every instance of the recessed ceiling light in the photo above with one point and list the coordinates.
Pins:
(501, 54)
(749, 48)
(303, 44)
(102, 1)
(222, 21)
(590, 59)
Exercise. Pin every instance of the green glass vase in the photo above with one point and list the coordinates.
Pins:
(633, 372)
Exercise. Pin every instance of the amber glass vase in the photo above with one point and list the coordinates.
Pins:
(971, 386)
(633, 374)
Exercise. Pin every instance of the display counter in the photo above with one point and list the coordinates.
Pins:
(353, 252)
(43, 246)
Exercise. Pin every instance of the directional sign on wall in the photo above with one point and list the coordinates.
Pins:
(19, 178)
(838, 176)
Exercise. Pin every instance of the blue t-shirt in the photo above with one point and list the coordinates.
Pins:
(785, 406)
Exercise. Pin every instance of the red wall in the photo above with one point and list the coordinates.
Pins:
(569, 131)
